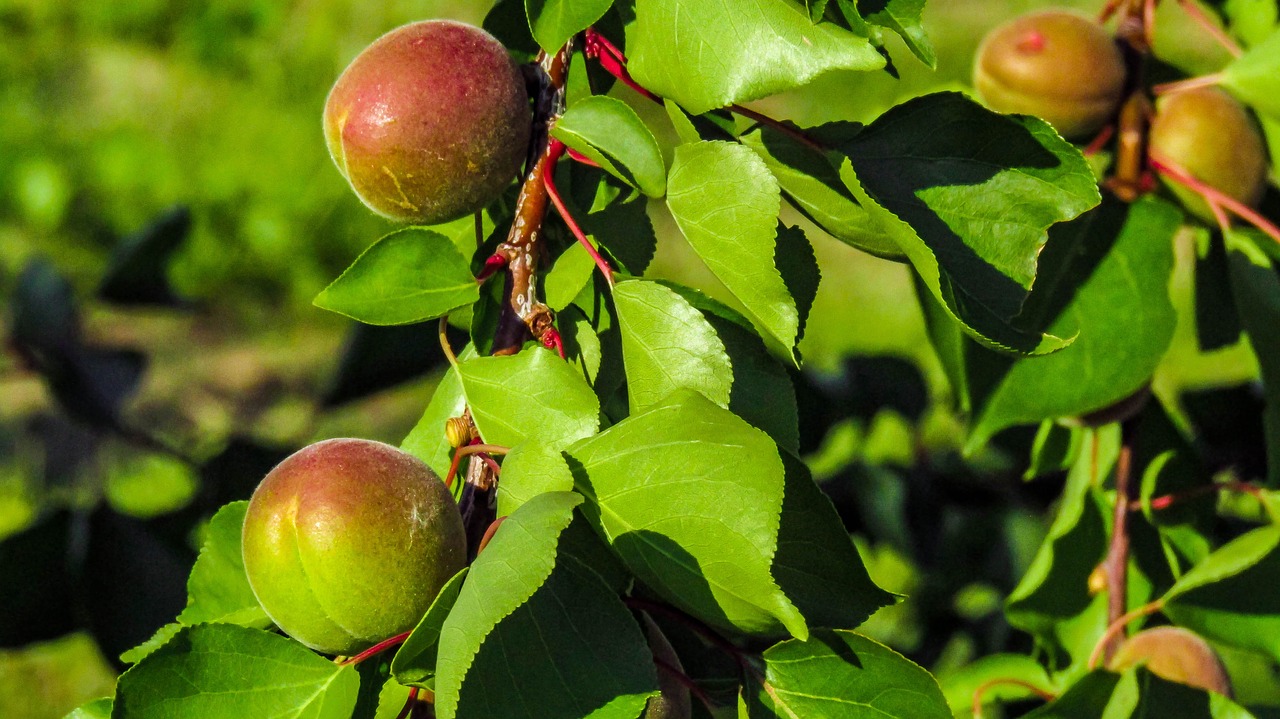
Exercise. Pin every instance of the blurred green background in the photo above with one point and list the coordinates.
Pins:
(112, 113)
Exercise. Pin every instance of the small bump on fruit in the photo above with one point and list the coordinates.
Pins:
(1208, 133)
(430, 122)
(1056, 65)
(347, 542)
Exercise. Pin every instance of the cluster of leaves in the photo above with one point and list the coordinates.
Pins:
(659, 522)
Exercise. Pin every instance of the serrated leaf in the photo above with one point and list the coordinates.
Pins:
(218, 590)
(904, 17)
(415, 662)
(1254, 77)
(667, 344)
(582, 655)
(843, 675)
(530, 395)
(529, 470)
(571, 272)
(726, 203)
(813, 184)
(1220, 598)
(407, 276)
(427, 440)
(712, 557)
(1114, 263)
(709, 55)
(609, 132)
(154, 642)
(1086, 699)
(96, 709)
(555, 21)
(969, 196)
(222, 671)
(816, 564)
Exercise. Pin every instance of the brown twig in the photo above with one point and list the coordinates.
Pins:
(1116, 565)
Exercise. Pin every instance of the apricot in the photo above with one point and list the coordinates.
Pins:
(430, 122)
(1210, 135)
(1176, 654)
(1053, 64)
(347, 542)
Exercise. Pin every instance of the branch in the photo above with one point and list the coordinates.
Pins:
(1116, 565)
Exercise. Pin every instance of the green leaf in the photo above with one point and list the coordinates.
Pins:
(571, 272)
(1222, 598)
(1256, 287)
(218, 590)
(667, 345)
(427, 440)
(1086, 699)
(817, 566)
(609, 132)
(96, 709)
(1054, 592)
(960, 685)
(726, 203)
(904, 17)
(707, 55)
(1104, 279)
(580, 652)
(969, 196)
(415, 662)
(555, 21)
(533, 394)
(843, 675)
(529, 470)
(222, 671)
(408, 276)
(712, 557)
(154, 642)
(1254, 77)
(813, 184)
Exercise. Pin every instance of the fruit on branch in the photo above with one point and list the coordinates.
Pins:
(1176, 654)
(347, 542)
(430, 122)
(1054, 64)
(1208, 133)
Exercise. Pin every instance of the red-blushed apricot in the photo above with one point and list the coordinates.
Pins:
(1176, 654)
(1210, 135)
(1054, 64)
(347, 542)
(430, 122)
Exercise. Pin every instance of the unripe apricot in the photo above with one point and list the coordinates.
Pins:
(1177, 655)
(347, 542)
(1208, 133)
(430, 122)
(1054, 64)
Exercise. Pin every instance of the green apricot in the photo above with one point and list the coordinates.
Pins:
(1208, 133)
(347, 542)
(1176, 654)
(1053, 64)
(430, 122)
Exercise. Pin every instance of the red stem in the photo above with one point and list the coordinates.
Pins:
(378, 648)
(1212, 195)
(987, 686)
(575, 155)
(555, 152)
(1168, 500)
(613, 61)
(1216, 32)
(488, 534)
(408, 705)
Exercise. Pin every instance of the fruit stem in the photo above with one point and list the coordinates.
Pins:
(1116, 628)
(1187, 84)
(376, 649)
(554, 153)
(1212, 195)
(988, 685)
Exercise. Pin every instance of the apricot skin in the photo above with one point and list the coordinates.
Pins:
(347, 542)
(1056, 65)
(430, 122)
(1208, 133)
(1177, 655)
